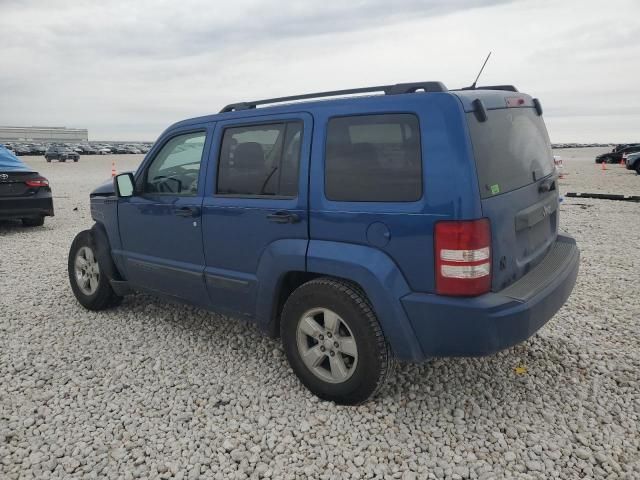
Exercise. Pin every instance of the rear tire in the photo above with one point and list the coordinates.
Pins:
(333, 341)
(90, 285)
(33, 221)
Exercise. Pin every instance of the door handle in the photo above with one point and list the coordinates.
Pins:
(187, 211)
(283, 217)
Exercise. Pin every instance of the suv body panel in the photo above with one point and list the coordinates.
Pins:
(233, 259)
(238, 265)
(162, 251)
(446, 153)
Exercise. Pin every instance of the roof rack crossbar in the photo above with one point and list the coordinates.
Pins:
(397, 89)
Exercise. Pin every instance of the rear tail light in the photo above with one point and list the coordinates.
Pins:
(514, 101)
(463, 257)
(37, 182)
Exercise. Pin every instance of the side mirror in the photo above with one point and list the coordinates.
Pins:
(124, 184)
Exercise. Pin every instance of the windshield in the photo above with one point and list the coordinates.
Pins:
(511, 149)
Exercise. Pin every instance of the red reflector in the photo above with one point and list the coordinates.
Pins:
(463, 257)
(515, 101)
(37, 182)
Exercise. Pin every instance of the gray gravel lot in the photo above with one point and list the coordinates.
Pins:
(154, 390)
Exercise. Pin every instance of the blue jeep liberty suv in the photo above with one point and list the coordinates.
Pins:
(415, 222)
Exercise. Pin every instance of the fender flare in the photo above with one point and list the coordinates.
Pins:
(382, 281)
(103, 252)
(278, 259)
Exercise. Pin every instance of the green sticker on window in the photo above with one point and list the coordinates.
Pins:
(495, 189)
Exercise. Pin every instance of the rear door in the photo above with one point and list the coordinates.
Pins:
(518, 188)
(256, 203)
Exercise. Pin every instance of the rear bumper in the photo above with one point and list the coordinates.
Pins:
(40, 204)
(450, 326)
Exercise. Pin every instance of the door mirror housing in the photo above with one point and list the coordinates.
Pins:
(124, 185)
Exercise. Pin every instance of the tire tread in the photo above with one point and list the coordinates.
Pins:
(354, 293)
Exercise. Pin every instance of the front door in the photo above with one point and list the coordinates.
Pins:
(160, 226)
(255, 209)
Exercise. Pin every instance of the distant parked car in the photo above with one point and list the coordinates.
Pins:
(615, 155)
(21, 151)
(104, 151)
(87, 150)
(62, 154)
(632, 162)
(38, 149)
(130, 149)
(24, 194)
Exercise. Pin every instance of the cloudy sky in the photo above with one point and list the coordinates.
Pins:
(127, 69)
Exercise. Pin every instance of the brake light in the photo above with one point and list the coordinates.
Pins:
(37, 182)
(463, 257)
(514, 101)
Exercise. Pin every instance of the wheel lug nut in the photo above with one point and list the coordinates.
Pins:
(332, 353)
(329, 334)
(336, 344)
(322, 349)
(321, 337)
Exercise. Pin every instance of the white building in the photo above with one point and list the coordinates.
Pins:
(43, 134)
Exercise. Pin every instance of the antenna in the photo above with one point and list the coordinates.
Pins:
(473, 85)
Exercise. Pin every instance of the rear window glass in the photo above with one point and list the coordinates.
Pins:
(373, 158)
(511, 149)
(260, 160)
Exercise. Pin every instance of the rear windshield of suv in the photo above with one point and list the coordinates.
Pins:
(511, 149)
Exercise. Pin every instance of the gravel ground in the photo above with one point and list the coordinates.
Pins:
(153, 390)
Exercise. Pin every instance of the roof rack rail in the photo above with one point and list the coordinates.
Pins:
(508, 88)
(397, 89)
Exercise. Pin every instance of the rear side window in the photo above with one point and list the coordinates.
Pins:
(260, 160)
(373, 158)
(511, 149)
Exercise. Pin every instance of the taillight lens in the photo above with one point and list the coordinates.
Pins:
(463, 257)
(37, 182)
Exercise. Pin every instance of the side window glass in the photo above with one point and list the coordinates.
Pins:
(373, 158)
(175, 169)
(260, 160)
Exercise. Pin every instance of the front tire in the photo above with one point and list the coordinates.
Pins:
(333, 341)
(90, 285)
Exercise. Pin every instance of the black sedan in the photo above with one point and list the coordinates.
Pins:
(62, 154)
(24, 194)
(616, 154)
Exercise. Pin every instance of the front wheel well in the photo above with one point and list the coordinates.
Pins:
(290, 282)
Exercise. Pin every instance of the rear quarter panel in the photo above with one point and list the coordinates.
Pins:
(450, 188)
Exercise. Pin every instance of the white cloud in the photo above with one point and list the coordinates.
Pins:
(126, 69)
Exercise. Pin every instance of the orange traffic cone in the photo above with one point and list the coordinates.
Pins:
(604, 165)
(622, 160)
(113, 169)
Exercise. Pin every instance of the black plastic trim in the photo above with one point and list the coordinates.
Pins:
(479, 110)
